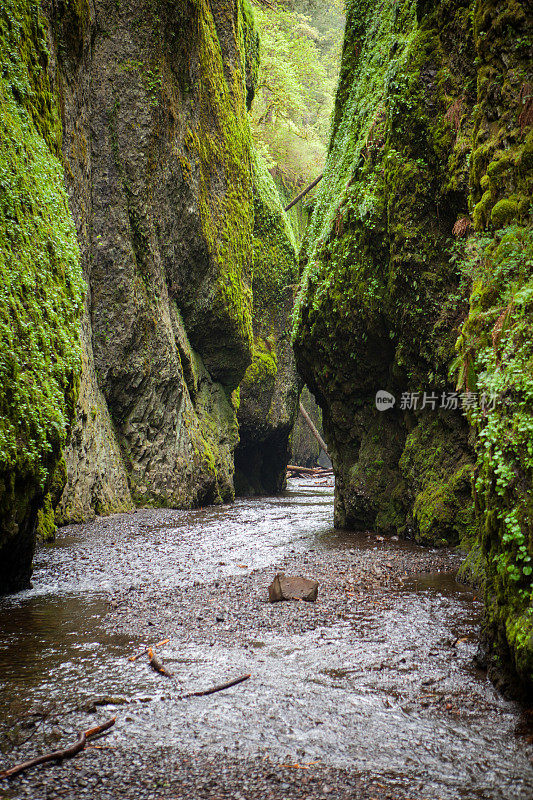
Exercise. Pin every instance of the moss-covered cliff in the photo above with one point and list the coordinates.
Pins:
(158, 150)
(495, 348)
(164, 145)
(138, 113)
(414, 285)
(41, 287)
(269, 391)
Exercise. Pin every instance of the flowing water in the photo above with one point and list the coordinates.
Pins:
(388, 688)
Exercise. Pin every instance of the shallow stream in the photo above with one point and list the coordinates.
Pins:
(386, 687)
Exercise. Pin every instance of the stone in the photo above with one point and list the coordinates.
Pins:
(270, 389)
(286, 588)
(155, 208)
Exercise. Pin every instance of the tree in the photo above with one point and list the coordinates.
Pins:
(300, 53)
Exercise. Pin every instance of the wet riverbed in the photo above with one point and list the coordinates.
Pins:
(370, 692)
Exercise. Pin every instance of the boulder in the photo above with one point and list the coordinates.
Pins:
(285, 588)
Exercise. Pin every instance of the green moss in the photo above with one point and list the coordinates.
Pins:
(503, 212)
(482, 210)
(500, 166)
(251, 50)
(41, 285)
(373, 311)
(46, 526)
(274, 248)
(219, 145)
(275, 270)
(473, 570)
(430, 129)
(444, 509)
(498, 333)
(269, 391)
(519, 635)
(439, 470)
(263, 369)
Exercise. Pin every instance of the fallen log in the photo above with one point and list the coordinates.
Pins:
(157, 665)
(219, 688)
(302, 194)
(312, 428)
(297, 473)
(304, 470)
(59, 755)
(145, 651)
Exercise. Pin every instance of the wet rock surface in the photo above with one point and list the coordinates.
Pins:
(370, 692)
(283, 587)
(164, 217)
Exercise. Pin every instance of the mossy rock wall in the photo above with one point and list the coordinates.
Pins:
(41, 288)
(374, 313)
(268, 395)
(429, 158)
(495, 348)
(158, 154)
(136, 114)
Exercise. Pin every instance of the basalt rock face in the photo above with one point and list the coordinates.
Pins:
(91, 476)
(145, 103)
(418, 280)
(41, 288)
(305, 449)
(375, 313)
(269, 391)
(159, 144)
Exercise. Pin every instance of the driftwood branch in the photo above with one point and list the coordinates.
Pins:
(214, 689)
(314, 471)
(146, 649)
(313, 429)
(157, 665)
(302, 194)
(59, 755)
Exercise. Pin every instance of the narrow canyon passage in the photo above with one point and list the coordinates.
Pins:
(370, 692)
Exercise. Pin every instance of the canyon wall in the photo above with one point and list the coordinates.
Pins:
(417, 284)
(269, 391)
(41, 288)
(157, 139)
(137, 113)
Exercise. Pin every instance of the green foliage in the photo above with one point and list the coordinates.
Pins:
(274, 247)
(497, 336)
(41, 285)
(297, 79)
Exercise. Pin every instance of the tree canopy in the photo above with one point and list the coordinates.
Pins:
(300, 52)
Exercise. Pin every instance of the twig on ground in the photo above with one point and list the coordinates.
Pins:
(157, 665)
(59, 755)
(146, 649)
(219, 688)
